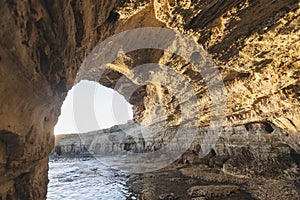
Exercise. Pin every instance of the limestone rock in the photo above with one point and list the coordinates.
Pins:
(212, 191)
(254, 44)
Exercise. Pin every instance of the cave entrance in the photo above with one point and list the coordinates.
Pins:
(77, 170)
(106, 115)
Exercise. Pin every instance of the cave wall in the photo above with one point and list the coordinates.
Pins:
(255, 45)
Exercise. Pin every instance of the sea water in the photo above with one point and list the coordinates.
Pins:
(86, 179)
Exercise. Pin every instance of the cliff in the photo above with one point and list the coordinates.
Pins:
(253, 44)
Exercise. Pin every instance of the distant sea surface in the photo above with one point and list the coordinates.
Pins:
(86, 179)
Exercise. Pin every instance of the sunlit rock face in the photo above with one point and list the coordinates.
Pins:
(254, 44)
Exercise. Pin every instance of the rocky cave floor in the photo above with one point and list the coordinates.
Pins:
(204, 182)
(250, 162)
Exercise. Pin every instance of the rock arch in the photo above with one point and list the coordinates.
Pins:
(44, 42)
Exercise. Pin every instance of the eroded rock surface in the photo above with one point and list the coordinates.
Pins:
(255, 45)
(249, 161)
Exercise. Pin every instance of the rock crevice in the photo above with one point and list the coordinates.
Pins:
(255, 45)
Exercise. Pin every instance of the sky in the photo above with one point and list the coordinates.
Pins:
(90, 106)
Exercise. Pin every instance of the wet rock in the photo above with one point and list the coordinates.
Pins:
(170, 196)
(199, 198)
(148, 194)
(212, 191)
(43, 44)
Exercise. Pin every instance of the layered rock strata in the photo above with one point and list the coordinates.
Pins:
(254, 44)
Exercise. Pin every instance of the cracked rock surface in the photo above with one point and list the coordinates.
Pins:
(254, 44)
